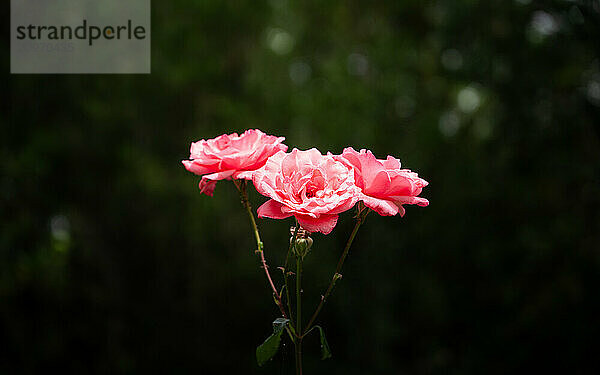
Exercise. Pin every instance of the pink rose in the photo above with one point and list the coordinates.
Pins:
(385, 186)
(231, 156)
(313, 188)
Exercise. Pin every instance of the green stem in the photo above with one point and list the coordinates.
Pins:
(241, 186)
(298, 346)
(362, 214)
(298, 343)
(299, 295)
(286, 273)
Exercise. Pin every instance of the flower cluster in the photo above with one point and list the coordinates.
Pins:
(312, 187)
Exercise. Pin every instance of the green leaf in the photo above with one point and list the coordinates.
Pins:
(270, 347)
(325, 351)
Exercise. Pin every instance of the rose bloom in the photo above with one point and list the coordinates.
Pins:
(385, 186)
(312, 187)
(231, 156)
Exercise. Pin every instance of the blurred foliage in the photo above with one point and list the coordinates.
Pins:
(111, 262)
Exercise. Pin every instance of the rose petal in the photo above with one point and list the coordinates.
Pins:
(244, 175)
(219, 175)
(209, 181)
(323, 223)
(207, 186)
(381, 206)
(196, 168)
(272, 209)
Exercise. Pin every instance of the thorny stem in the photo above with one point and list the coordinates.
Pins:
(241, 186)
(360, 218)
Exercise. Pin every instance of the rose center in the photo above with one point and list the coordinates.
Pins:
(317, 183)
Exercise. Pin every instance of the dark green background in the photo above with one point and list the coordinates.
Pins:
(111, 262)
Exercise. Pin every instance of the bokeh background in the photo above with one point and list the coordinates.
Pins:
(111, 262)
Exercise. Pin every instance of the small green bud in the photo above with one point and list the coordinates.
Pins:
(303, 242)
(303, 246)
